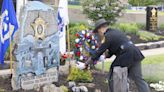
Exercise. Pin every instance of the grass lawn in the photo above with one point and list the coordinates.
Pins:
(74, 6)
(152, 68)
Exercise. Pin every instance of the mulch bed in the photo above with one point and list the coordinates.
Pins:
(5, 85)
(136, 39)
(99, 83)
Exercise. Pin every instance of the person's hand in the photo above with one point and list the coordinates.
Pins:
(81, 65)
(89, 61)
(102, 58)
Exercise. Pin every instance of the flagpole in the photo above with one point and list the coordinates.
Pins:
(10, 52)
(68, 40)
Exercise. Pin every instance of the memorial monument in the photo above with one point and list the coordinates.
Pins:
(152, 18)
(37, 49)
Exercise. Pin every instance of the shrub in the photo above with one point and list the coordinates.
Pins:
(80, 75)
(64, 88)
(141, 26)
(127, 28)
(148, 36)
(96, 9)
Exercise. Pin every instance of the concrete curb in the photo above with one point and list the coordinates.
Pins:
(150, 45)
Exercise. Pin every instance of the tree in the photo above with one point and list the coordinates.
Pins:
(107, 9)
(160, 1)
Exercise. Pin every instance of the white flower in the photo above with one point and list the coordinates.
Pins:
(90, 22)
(116, 8)
(81, 57)
(96, 42)
(83, 32)
(94, 8)
(158, 86)
(93, 47)
(92, 37)
(114, 11)
(81, 49)
(88, 40)
(152, 85)
(160, 82)
(103, 7)
(77, 40)
(100, 15)
(98, 9)
(120, 14)
(90, 5)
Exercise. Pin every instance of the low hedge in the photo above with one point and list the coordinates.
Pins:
(128, 28)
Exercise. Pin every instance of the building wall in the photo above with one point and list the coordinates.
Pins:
(52, 2)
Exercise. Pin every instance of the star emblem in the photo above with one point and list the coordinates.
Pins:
(153, 11)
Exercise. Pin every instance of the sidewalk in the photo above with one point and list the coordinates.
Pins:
(156, 51)
(149, 52)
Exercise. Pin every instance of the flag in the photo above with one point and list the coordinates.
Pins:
(63, 20)
(8, 27)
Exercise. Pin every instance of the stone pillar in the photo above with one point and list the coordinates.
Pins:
(120, 83)
(151, 18)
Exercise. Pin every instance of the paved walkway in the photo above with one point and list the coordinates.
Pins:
(156, 51)
(150, 52)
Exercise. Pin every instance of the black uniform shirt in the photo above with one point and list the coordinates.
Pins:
(113, 41)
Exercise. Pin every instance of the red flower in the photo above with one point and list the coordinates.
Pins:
(77, 45)
(77, 35)
(64, 56)
(78, 53)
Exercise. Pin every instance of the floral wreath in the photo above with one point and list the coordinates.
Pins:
(85, 45)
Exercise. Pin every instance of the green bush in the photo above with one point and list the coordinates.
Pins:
(132, 28)
(128, 28)
(148, 36)
(64, 88)
(141, 26)
(107, 9)
(80, 75)
(161, 27)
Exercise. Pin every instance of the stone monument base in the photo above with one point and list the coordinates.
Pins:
(30, 81)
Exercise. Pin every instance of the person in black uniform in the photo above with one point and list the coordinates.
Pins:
(127, 54)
